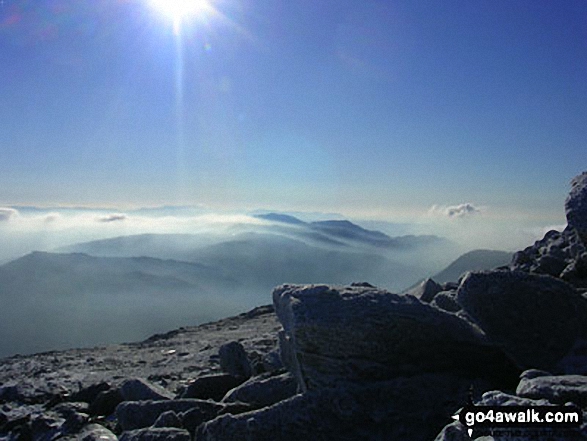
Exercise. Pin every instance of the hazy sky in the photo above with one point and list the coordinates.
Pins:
(374, 108)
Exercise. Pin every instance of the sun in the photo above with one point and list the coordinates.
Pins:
(180, 10)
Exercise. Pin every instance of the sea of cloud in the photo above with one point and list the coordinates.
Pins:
(469, 226)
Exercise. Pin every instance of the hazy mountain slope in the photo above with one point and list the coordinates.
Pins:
(473, 261)
(62, 300)
(162, 246)
(273, 255)
(270, 260)
(57, 300)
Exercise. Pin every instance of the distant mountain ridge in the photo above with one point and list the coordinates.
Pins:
(475, 260)
(347, 230)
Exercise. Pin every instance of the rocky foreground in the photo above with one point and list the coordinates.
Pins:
(333, 363)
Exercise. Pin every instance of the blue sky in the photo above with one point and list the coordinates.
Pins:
(368, 108)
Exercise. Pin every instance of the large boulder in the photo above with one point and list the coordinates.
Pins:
(139, 389)
(363, 334)
(212, 387)
(407, 408)
(557, 389)
(234, 360)
(426, 290)
(132, 415)
(263, 391)
(536, 319)
(156, 434)
(96, 432)
(576, 206)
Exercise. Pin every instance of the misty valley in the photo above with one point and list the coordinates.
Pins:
(128, 287)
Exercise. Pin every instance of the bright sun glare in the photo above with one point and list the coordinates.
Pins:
(180, 10)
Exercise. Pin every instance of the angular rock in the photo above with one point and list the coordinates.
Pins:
(390, 410)
(10, 393)
(576, 271)
(106, 402)
(272, 361)
(45, 426)
(89, 394)
(68, 408)
(133, 415)
(138, 389)
(453, 432)
(74, 421)
(212, 387)
(426, 290)
(359, 334)
(535, 319)
(558, 389)
(263, 391)
(192, 418)
(156, 434)
(96, 432)
(168, 419)
(557, 254)
(576, 206)
(499, 398)
(234, 360)
(446, 300)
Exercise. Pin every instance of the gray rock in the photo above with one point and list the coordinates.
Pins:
(558, 389)
(446, 300)
(359, 334)
(192, 418)
(96, 432)
(156, 434)
(138, 389)
(263, 391)
(576, 206)
(272, 361)
(10, 393)
(67, 408)
(45, 426)
(499, 398)
(168, 419)
(89, 394)
(453, 432)
(106, 402)
(534, 373)
(390, 410)
(74, 421)
(557, 254)
(212, 386)
(133, 415)
(576, 271)
(426, 290)
(535, 319)
(234, 360)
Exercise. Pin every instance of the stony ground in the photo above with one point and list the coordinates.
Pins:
(170, 360)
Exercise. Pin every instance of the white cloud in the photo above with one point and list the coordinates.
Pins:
(455, 211)
(116, 217)
(7, 213)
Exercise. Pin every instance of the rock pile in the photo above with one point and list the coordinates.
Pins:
(562, 255)
(361, 363)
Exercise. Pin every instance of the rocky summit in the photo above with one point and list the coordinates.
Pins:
(334, 362)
